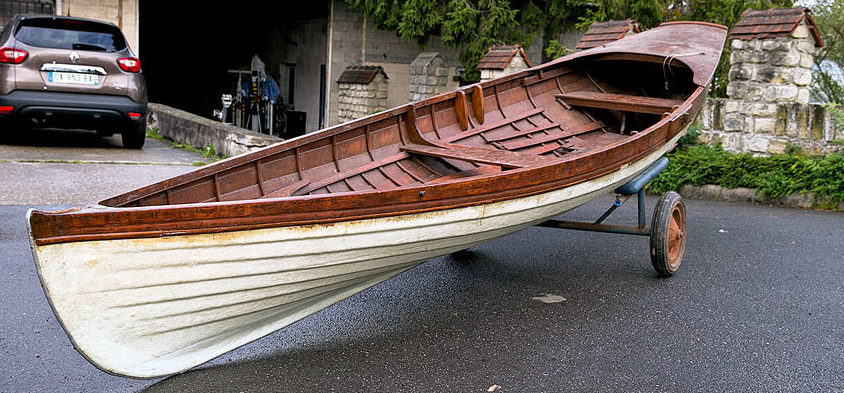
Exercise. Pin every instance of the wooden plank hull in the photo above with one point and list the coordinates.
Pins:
(157, 306)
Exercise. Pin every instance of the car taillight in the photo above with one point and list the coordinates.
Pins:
(129, 64)
(6, 109)
(12, 55)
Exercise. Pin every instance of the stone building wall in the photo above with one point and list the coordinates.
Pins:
(356, 100)
(428, 76)
(768, 128)
(768, 108)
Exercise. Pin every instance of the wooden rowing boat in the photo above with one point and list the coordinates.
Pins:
(168, 276)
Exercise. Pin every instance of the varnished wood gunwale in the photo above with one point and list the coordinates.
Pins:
(280, 209)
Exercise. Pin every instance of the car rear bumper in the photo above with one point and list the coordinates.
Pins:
(59, 109)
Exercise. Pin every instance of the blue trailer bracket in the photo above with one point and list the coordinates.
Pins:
(667, 231)
(636, 186)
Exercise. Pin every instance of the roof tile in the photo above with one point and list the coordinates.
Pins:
(774, 23)
(601, 33)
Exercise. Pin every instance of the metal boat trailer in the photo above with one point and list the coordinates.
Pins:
(667, 231)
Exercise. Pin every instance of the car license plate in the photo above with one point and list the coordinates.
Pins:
(74, 78)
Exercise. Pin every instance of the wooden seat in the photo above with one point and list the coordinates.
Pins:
(621, 102)
(502, 158)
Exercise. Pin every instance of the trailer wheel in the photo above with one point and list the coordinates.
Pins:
(668, 234)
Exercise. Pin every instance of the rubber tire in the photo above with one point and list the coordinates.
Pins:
(670, 206)
(135, 135)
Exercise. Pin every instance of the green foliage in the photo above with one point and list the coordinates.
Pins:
(829, 15)
(472, 26)
(691, 136)
(775, 176)
(555, 49)
(836, 112)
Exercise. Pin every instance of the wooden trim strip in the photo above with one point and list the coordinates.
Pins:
(501, 158)
(489, 127)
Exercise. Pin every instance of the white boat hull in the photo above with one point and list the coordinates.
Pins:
(151, 307)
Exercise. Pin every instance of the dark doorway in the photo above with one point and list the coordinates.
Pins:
(187, 48)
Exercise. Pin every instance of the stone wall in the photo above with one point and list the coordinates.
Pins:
(428, 76)
(357, 100)
(199, 132)
(771, 70)
(768, 107)
(768, 128)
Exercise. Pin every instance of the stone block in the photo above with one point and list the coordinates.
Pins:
(801, 31)
(807, 60)
(756, 144)
(786, 93)
(777, 44)
(781, 120)
(733, 121)
(739, 73)
(788, 59)
(777, 146)
(738, 44)
(731, 106)
(818, 120)
(763, 109)
(803, 96)
(441, 71)
(764, 125)
(802, 77)
(775, 75)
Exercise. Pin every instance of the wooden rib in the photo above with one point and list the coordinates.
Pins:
(498, 100)
(581, 129)
(489, 127)
(433, 121)
(461, 110)
(478, 103)
(366, 140)
(410, 126)
(409, 172)
(259, 176)
(287, 190)
(501, 158)
(389, 177)
(622, 102)
(216, 180)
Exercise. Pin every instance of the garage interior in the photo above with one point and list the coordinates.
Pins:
(187, 54)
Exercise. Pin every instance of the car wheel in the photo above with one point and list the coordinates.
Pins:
(135, 135)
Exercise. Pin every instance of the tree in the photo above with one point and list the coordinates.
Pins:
(473, 26)
(829, 62)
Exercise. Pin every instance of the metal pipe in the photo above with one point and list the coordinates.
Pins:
(641, 202)
(585, 226)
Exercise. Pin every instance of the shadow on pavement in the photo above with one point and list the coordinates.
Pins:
(59, 138)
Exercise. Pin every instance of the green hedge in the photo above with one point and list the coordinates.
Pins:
(775, 176)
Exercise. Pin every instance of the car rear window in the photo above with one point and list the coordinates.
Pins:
(70, 34)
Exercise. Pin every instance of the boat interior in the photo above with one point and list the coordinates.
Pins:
(535, 117)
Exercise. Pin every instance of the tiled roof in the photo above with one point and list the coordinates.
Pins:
(360, 74)
(773, 23)
(601, 33)
(499, 57)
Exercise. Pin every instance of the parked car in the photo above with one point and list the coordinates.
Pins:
(64, 72)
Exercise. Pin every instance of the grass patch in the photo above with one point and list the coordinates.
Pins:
(207, 153)
(775, 176)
